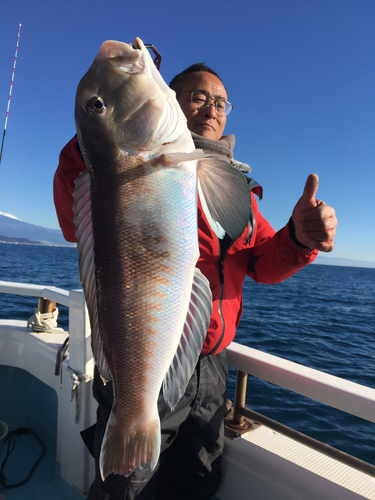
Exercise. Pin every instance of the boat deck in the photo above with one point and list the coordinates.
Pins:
(27, 402)
(44, 484)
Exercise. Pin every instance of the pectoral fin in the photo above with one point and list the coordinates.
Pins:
(224, 196)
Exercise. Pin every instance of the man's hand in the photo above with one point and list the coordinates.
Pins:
(315, 222)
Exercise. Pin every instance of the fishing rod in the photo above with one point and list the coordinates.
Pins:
(10, 91)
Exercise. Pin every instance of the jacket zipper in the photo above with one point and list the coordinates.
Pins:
(221, 277)
(252, 185)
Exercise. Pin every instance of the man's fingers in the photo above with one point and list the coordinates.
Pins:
(320, 235)
(322, 246)
(311, 187)
(321, 212)
(317, 228)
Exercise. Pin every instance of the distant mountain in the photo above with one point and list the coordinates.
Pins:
(335, 261)
(25, 241)
(11, 227)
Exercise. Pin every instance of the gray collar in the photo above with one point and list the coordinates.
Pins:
(223, 147)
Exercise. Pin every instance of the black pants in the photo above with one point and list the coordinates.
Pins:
(192, 441)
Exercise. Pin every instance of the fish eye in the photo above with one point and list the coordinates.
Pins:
(96, 105)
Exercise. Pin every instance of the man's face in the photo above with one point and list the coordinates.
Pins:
(202, 121)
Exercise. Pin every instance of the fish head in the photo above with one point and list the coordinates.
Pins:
(123, 104)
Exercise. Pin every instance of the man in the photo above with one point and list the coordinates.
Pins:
(192, 435)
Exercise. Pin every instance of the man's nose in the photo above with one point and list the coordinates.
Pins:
(211, 109)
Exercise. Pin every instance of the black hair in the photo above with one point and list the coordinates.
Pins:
(192, 69)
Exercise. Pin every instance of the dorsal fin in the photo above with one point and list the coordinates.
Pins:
(85, 246)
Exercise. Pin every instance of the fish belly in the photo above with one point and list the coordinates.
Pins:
(146, 248)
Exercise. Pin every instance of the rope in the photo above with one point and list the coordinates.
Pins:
(45, 322)
(11, 444)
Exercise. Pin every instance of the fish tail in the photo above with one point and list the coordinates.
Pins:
(129, 448)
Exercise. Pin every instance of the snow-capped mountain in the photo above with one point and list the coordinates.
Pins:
(12, 227)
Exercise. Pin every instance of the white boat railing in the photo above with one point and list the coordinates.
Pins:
(336, 392)
(46, 292)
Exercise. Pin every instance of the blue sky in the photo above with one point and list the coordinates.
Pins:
(300, 74)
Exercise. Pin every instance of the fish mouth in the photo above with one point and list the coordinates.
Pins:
(138, 44)
(125, 57)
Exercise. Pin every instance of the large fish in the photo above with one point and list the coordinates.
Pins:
(136, 224)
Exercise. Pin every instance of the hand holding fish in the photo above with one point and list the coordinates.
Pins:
(315, 222)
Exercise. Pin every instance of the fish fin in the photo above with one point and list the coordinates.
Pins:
(225, 197)
(126, 448)
(85, 246)
(191, 342)
(176, 158)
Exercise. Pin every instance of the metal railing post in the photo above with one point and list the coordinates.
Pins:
(239, 398)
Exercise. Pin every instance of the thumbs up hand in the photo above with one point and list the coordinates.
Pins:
(315, 222)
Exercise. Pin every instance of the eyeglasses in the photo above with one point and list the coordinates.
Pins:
(203, 100)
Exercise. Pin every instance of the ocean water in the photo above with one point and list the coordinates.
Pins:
(323, 317)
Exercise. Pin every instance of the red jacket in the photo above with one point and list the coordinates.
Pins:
(267, 257)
